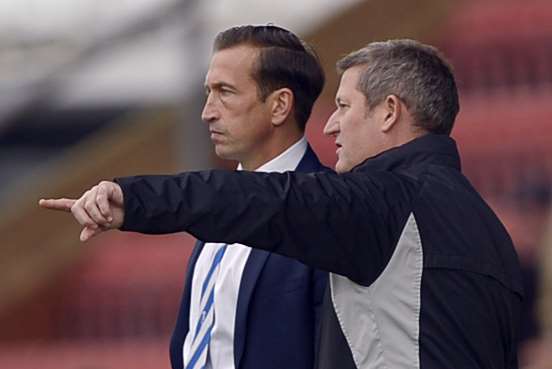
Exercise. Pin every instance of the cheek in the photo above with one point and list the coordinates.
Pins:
(235, 121)
(249, 129)
(354, 138)
(258, 121)
(349, 131)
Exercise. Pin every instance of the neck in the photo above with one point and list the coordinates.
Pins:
(404, 132)
(269, 151)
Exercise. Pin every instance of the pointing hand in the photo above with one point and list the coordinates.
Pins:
(99, 209)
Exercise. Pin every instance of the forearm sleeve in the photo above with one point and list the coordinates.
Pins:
(346, 224)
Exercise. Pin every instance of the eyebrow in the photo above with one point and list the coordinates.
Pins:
(218, 86)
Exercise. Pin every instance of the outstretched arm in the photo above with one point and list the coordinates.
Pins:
(346, 224)
(97, 210)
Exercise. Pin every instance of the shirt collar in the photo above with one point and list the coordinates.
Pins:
(286, 161)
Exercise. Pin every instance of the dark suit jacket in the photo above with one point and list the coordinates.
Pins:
(278, 307)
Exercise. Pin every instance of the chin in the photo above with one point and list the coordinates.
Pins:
(221, 151)
(344, 166)
(340, 167)
(226, 153)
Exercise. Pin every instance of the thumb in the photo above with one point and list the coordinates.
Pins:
(88, 232)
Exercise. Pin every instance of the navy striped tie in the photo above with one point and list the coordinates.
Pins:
(202, 336)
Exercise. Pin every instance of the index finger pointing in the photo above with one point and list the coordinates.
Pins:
(57, 204)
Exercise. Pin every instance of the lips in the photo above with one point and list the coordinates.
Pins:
(215, 132)
(215, 135)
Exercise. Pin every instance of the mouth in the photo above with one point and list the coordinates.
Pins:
(338, 147)
(215, 132)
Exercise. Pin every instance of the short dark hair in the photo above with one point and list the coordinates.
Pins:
(284, 61)
(416, 73)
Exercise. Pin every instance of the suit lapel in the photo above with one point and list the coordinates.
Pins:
(254, 266)
(251, 271)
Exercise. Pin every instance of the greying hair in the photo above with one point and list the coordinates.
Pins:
(416, 73)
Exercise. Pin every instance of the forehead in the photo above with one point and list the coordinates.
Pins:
(232, 64)
(349, 80)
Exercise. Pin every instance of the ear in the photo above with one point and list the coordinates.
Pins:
(281, 105)
(392, 108)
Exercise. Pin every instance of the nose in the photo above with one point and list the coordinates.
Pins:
(210, 113)
(332, 125)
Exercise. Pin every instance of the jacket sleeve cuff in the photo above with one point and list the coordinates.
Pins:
(132, 207)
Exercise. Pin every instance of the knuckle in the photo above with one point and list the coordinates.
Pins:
(89, 206)
(76, 205)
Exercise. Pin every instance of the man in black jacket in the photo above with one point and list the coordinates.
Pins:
(422, 273)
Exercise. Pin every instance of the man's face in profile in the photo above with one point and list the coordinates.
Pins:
(355, 127)
(239, 122)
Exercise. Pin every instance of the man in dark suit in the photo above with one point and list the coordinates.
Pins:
(244, 308)
(260, 87)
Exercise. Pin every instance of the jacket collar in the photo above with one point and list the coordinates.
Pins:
(430, 149)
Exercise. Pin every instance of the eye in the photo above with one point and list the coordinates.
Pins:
(226, 91)
(341, 104)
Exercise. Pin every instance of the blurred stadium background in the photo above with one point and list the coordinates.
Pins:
(94, 89)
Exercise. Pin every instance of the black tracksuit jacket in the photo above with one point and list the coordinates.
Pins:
(422, 273)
